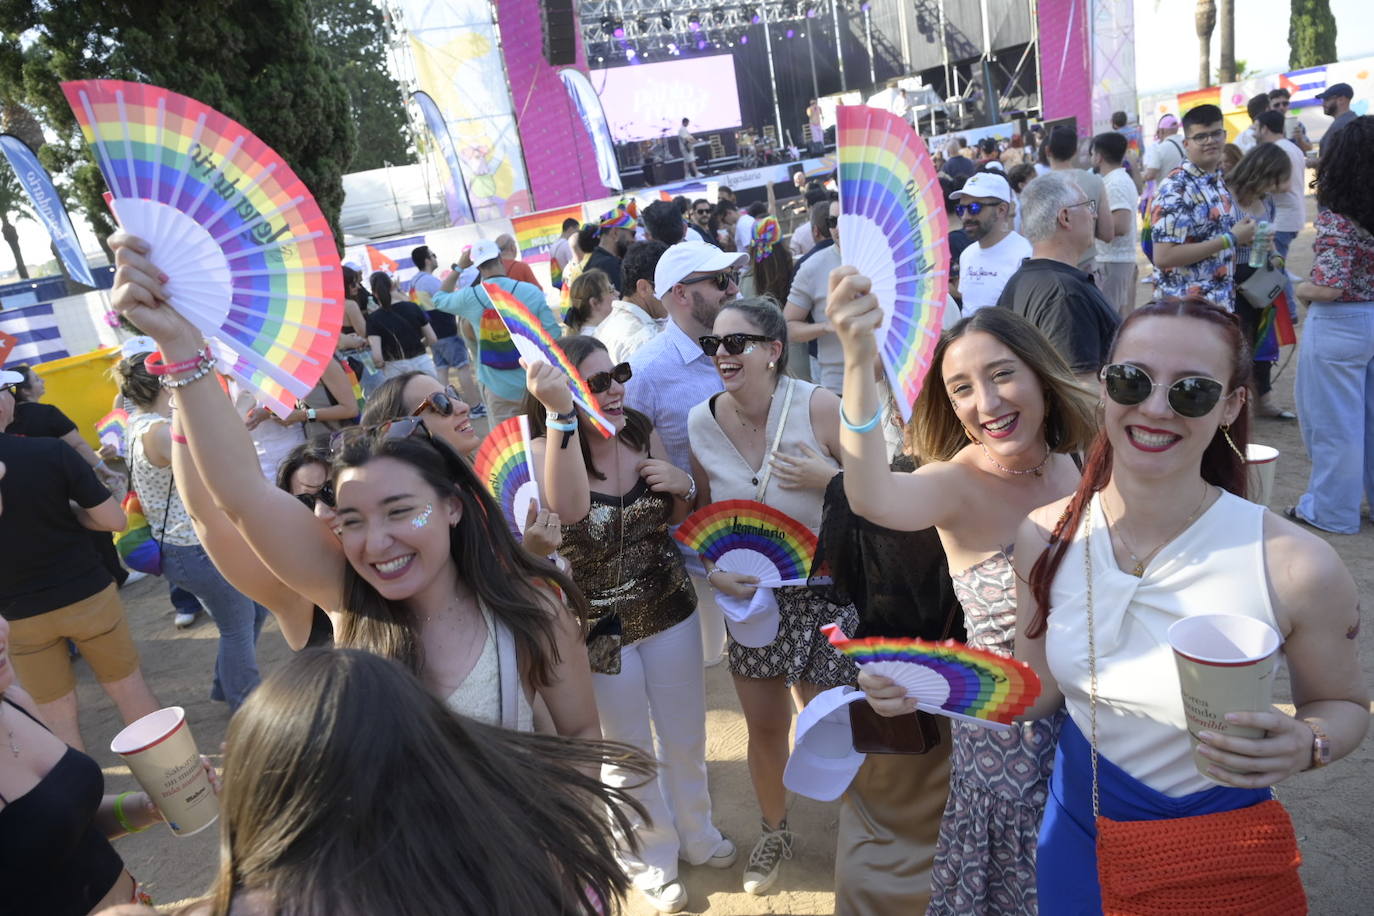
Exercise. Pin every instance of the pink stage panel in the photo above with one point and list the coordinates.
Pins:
(1065, 66)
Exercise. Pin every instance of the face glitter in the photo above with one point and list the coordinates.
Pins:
(422, 519)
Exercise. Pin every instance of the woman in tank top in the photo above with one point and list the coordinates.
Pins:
(1159, 531)
(416, 559)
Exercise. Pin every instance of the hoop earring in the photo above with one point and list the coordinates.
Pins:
(971, 437)
(1226, 431)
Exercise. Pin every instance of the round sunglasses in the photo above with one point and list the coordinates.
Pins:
(325, 495)
(735, 344)
(1190, 397)
(444, 403)
(601, 381)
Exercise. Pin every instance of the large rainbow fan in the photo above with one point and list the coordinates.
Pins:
(537, 345)
(747, 537)
(249, 256)
(893, 229)
(947, 678)
(113, 429)
(503, 463)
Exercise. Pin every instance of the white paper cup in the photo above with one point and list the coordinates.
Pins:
(163, 757)
(1263, 460)
(1226, 663)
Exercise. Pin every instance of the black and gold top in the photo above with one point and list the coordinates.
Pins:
(636, 571)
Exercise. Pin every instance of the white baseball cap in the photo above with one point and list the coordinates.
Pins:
(8, 378)
(136, 345)
(688, 258)
(985, 184)
(484, 250)
(753, 623)
(823, 761)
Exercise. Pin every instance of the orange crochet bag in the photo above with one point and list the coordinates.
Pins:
(1231, 863)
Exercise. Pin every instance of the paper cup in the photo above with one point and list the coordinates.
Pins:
(1263, 460)
(163, 757)
(1226, 663)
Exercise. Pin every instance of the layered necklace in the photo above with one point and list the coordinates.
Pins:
(1038, 470)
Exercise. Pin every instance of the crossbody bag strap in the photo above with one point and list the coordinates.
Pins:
(767, 469)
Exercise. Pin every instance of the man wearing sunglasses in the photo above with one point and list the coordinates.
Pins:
(1293, 129)
(1196, 225)
(983, 206)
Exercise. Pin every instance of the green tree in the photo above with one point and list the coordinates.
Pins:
(14, 206)
(352, 34)
(1311, 34)
(256, 61)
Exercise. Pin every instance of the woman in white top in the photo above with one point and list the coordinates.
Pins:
(1167, 534)
(589, 302)
(774, 439)
(419, 565)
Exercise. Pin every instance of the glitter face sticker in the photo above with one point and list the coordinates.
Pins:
(422, 519)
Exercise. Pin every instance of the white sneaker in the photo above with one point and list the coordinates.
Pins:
(670, 898)
(723, 856)
(184, 619)
(762, 871)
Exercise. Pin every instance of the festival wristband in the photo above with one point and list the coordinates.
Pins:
(120, 816)
(179, 439)
(1227, 241)
(561, 426)
(155, 366)
(872, 422)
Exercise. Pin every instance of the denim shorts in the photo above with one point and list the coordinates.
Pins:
(450, 351)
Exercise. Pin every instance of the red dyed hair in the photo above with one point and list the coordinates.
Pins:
(1221, 466)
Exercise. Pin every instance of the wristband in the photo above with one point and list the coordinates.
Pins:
(179, 439)
(1227, 241)
(560, 425)
(872, 422)
(123, 820)
(155, 366)
(204, 370)
(711, 572)
(311, 413)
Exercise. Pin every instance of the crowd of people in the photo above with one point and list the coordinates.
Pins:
(536, 703)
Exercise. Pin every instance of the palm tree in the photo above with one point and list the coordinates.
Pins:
(1206, 20)
(1226, 69)
(13, 207)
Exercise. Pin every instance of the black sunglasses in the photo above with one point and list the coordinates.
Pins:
(706, 212)
(441, 402)
(974, 208)
(324, 494)
(1190, 397)
(832, 221)
(403, 428)
(722, 281)
(735, 344)
(601, 381)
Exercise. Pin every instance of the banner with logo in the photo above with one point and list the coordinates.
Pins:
(455, 185)
(47, 204)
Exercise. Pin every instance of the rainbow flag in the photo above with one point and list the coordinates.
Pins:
(1209, 96)
(537, 233)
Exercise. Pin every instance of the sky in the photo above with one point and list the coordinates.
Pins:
(1166, 60)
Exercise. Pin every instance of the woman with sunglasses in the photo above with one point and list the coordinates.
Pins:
(774, 439)
(617, 497)
(419, 565)
(996, 424)
(1157, 531)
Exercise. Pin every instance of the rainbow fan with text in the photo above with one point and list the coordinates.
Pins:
(249, 257)
(893, 229)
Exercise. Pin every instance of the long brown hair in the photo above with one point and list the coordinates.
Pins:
(1221, 466)
(490, 562)
(1258, 172)
(349, 790)
(1069, 420)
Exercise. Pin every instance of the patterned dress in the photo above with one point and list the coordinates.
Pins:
(985, 861)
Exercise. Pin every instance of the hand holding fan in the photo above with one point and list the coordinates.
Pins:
(947, 678)
(249, 257)
(537, 345)
(747, 537)
(893, 230)
(503, 462)
(112, 429)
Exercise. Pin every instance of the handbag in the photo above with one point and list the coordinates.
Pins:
(1265, 285)
(1241, 863)
(603, 644)
(137, 547)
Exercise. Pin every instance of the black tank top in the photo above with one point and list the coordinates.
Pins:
(53, 858)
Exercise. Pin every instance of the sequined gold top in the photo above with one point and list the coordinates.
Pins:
(636, 572)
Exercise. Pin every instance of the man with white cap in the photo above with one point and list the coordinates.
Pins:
(984, 204)
(1166, 154)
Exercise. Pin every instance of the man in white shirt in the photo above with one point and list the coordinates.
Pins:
(689, 152)
(984, 206)
(1166, 154)
(639, 317)
(805, 309)
(744, 226)
(1116, 264)
(1248, 139)
(563, 253)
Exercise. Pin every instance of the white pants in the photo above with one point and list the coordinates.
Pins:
(661, 692)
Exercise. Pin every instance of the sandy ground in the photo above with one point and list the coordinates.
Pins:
(1328, 807)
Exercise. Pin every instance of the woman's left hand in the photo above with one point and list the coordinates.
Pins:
(665, 477)
(543, 533)
(1255, 763)
(810, 471)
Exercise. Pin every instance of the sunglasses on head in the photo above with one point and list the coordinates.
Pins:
(403, 428)
(1190, 397)
(721, 281)
(324, 494)
(444, 403)
(735, 344)
(601, 381)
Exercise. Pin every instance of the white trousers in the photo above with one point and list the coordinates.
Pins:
(660, 693)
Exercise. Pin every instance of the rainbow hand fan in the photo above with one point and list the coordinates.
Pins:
(537, 345)
(747, 537)
(947, 678)
(113, 428)
(504, 465)
(249, 256)
(893, 229)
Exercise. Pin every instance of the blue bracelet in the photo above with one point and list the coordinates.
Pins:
(561, 426)
(873, 421)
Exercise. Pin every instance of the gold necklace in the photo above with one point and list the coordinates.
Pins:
(744, 421)
(1139, 569)
(14, 747)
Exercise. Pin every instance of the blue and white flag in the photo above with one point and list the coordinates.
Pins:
(48, 205)
(40, 339)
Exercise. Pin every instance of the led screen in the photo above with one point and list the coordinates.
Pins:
(647, 101)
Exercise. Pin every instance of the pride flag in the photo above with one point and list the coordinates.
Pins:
(537, 233)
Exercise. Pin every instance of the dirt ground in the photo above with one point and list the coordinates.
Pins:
(1329, 807)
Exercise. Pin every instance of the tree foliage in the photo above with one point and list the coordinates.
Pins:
(1311, 34)
(257, 61)
(352, 34)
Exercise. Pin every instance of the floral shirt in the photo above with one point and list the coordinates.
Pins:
(1343, 257)
(1194, 206)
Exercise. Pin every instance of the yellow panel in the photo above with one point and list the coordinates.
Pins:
(81, 388)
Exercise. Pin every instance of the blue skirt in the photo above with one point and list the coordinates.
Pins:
(1066, 859)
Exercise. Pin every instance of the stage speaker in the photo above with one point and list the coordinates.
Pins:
(559, 28)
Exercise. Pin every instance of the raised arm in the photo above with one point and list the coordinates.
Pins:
(564, 487)
(280, 530)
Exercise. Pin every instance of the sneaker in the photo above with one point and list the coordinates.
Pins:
(184, 619)
(723, 856)
(670, 898)
(762, 871)
(478, 412)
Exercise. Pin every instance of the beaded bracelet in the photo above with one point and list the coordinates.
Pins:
(204, 370)
(873, 421)
(123, 820)
(155, 366)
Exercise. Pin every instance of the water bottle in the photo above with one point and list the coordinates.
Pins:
(1260, 247)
